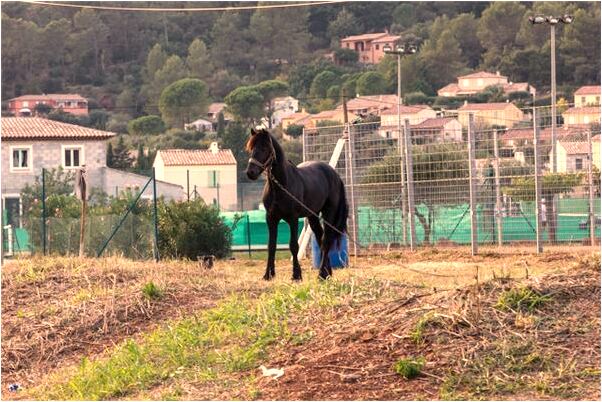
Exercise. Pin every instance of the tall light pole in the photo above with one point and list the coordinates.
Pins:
(552, 21)
(401, 50)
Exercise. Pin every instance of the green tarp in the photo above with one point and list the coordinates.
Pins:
(382, 226)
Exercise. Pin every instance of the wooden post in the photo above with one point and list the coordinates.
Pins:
(407, 135)
(472, 171)
(498, 196)
(590, 183)
(82, 228)
(538, 228)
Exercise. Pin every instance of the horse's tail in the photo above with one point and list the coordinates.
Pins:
(340, 217)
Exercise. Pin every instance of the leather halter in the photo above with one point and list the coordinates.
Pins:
(269, 161)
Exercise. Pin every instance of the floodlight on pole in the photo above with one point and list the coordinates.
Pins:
(400, 50)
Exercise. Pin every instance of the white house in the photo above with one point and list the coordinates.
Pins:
(200, 125)
(415, 113)
(438, 129)
(572, 156)
(283, 106)
(206, 173)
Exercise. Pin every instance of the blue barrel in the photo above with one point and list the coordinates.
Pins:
(339, 256)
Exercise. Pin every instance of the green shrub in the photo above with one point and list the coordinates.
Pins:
(409, 368)
(152, 291)
(191, 229)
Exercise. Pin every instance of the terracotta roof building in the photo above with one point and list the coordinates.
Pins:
(587, 96)
(491, 114)
(369, 46)
(189, 157)
(71, 103)
(371, 104)
(581, 115)
(206, 173)
(30, 144)
(471, 84)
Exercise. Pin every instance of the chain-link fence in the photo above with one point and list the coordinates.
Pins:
(47, 220)
(472, 183)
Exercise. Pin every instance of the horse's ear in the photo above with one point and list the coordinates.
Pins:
(253, 132)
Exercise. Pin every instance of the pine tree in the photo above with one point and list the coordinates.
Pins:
(221, 125)
(141, 160)
(110, 156)
(121, 156)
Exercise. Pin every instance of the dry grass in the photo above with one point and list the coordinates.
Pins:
(57, 310)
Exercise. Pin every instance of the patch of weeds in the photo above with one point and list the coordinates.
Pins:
(429, 320)
(201, 344)
(409, 368)
(303, 337)
(173, 394)
(521, 299)
(152, 291)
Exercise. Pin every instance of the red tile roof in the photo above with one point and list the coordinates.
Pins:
(482, 74)
(583, 110)
(588, 90)
(296, 116)
(486, 106)
(406, 109)
(516, 86)
(388, 38)
(370, 36)
(434, 122)
(371, 102)
(216, 107)
(57, 97)
(453, 87)
(195, 157)
(544, 134)
(574, 148)
(37, 128)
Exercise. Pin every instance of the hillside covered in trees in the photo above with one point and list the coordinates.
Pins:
(123, 60)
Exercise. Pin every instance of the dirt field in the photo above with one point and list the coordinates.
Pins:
(495, 326)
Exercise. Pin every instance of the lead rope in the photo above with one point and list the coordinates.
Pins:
(272, 178)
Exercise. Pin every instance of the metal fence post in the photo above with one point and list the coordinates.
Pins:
(188, 185)
(402, 176)
(155, 217)
(249, 233)
(43, 211)
(473, 185)
(498, 196)
(351, 155)
(410, 181)
(590, 183)
(538, 228)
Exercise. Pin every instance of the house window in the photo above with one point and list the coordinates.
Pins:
(597, 100)
(376, 46)
(20, 159)
(213, 178)
(578, 164)
(73, 157)
(25, 103)
(583, 100)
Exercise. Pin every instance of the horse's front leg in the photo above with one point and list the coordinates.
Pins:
(293, 245)
(270, 270)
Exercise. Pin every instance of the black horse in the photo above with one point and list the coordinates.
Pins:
(292, 192)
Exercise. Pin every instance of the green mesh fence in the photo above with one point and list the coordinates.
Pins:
(452, 223)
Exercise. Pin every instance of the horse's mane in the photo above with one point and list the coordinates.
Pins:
(254, 138)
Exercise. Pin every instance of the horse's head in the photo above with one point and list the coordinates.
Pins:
(261, 151)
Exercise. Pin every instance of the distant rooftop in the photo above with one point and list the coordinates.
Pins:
(37, 128)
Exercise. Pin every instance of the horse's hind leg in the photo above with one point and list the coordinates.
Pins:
(293, 223)
(327, 242)
(314, 224)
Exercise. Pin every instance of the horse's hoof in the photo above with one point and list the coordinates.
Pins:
(323, 278)
(267, 277)
(297, 278)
